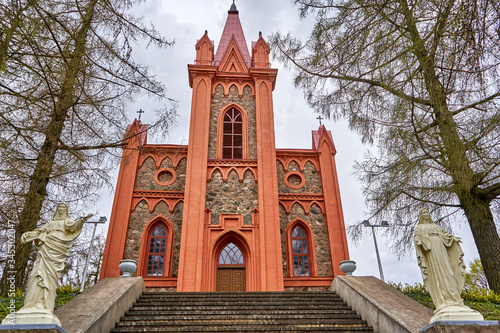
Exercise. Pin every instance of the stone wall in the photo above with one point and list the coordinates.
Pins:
(145, 179)
(139, 219)
(312, 178)
(316, 220)
(219, 102)
(233, 196)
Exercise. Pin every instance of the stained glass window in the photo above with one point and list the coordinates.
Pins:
(299, 252)
(157, 251)
(232, 141)
(231, 255)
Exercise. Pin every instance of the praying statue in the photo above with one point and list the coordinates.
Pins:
(440, 258)
(53, 241)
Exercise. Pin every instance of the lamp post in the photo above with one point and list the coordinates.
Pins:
(102, 219)
(384, 224)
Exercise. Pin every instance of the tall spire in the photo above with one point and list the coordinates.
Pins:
(233, 30)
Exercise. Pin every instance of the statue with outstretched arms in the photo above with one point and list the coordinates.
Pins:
(53, 241)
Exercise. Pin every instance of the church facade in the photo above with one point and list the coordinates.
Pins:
(229, 211)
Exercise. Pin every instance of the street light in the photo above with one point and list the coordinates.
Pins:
(102, 219)
(384, 224)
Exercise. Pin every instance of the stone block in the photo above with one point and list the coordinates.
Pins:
(32, 328)
(383, 307)
(462, 327)
(32, 316)
(99, 308)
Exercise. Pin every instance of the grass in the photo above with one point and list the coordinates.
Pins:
(483, 300)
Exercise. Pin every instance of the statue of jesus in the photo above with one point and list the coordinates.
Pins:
(53, 241)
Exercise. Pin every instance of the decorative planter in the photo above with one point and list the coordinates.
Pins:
(348, 266)
(127, 266)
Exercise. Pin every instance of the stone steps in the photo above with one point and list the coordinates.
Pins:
(224, 305)
(224, 316)
(241, 312)
(245, 312)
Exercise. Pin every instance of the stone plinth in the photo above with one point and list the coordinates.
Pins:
(32, 328)
(32, 316)
(456, 313)
(462, 327)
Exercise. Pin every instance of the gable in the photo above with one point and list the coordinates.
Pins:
(233, 60)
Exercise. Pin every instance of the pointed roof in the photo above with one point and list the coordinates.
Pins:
(322, 134)
(232, 30)
(137, 131)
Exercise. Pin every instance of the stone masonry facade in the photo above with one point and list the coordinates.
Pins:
(230, 197)
(312, 178)
(145, 179)
(316, 220)
(218, 103)
(233, 196)
(140, 216)
(138, 220)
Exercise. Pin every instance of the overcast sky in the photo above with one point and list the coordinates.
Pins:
(185, 22)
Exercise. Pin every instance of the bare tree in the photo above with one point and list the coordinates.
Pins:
(66, 76)
(75, 263)
(419, 79)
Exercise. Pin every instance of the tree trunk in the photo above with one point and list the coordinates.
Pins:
(486, 236)
(40, 177)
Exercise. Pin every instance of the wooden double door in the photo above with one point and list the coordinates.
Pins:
(231, 279)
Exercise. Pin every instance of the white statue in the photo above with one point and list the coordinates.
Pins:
(440, 258)
(53, 241)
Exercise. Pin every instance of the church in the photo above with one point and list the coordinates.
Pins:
(228, 211)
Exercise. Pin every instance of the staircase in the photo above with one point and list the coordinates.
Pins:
(241, 312)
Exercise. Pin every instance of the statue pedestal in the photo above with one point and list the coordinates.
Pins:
(462, 326)
(32, 328)
(31, 316)
(456, 313)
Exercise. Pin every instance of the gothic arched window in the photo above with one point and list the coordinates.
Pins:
(300, 253)
(232, 140)
(157, 251)
(231, 255)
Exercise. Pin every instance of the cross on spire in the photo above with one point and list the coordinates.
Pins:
(320, 119)
(140, 112)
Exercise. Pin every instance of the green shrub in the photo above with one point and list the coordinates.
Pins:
(418, 292)
(483, 300)
(477, 294)
(64, 294)
(18, 301)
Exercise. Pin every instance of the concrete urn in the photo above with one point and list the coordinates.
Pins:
(348, 266)
(127, 267)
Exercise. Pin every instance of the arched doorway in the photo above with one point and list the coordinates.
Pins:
(231, 274)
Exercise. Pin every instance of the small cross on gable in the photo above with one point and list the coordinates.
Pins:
(320, 119)
(140, 112)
